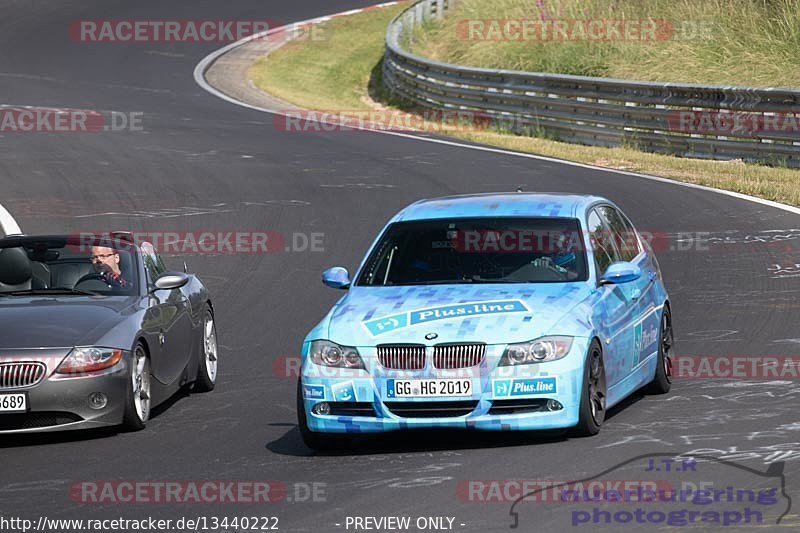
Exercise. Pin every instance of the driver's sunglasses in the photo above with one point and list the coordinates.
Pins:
(96, 258)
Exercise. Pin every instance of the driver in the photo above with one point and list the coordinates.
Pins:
(562, 260)
(105, 261)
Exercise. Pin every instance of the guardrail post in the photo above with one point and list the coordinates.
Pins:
(440, 9)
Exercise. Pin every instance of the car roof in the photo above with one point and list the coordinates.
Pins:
(514, 204)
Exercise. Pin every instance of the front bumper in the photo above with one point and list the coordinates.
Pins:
(61, 403)
(504, 398)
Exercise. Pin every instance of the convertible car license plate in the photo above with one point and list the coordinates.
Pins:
(425, 388)
(13, 403)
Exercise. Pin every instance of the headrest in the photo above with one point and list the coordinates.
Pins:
(15, 267)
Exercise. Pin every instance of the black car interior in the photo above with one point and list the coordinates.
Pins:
(42, 267)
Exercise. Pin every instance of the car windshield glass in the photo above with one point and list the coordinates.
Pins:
(63, 267)
(477, 250)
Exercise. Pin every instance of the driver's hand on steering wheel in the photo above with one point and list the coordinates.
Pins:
(547, 262)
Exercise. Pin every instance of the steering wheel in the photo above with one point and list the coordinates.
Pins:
(95, 277)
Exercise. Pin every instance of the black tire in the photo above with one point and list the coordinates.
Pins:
(592, 409)
(662, 381)
(316, 441)
(131, 420)
(206, 379)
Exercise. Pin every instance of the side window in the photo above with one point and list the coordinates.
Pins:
(602, 245)
(153, 264)
(622, 232)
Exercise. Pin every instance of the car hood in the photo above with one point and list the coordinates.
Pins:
(50, 322)
(489, 313)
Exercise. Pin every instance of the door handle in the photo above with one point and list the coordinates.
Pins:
(636, 294)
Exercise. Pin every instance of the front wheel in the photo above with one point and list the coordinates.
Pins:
(137, 403)
(592, 409)
(662, 382)
(207, 367)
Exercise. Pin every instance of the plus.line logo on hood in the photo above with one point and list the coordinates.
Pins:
(386, 324)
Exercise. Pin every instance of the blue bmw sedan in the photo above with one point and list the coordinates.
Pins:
(516, 311)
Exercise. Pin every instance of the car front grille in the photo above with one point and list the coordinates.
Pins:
(18, 375)
(12, 422)
(445, 356)
(402, 357)
(458, 355)
(431, 409)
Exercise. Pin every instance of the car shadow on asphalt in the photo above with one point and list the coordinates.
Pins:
(41, 439)
(427, 440)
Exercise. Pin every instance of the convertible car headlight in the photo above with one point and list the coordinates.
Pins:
(328, 353)
(89, 359)
(536, 351)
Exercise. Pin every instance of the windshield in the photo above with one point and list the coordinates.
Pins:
(51, 266)
(477, 250)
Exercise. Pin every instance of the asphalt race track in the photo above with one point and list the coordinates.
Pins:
(203, 164)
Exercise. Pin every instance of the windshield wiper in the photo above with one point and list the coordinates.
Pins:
(435, 282)
(54, 290)
(479, 279)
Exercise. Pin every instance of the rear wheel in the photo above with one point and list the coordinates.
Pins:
(137, 404)
(316, 441)
(662, 382)
(592, 409)
(207, 366)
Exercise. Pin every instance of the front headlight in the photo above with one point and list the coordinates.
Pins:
(89, 359)
(536, 351)
(328, 353)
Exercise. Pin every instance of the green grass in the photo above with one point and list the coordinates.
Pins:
(339, 70)
(732, 42)
(330, 68)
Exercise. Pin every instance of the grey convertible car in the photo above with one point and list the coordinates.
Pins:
(96, 332)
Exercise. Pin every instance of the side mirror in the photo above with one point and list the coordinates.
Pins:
(171, 280)
(621, 272)
(336, 278)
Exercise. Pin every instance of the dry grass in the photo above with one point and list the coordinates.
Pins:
(732, 42)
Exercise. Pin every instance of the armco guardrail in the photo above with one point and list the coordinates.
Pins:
(713, 122)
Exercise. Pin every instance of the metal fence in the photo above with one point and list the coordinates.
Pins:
(712, 122)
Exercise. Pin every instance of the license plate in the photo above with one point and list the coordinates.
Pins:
(426, 388)
(13, 403)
